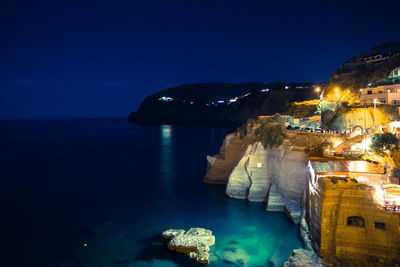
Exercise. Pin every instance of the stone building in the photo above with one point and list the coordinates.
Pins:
(345, 215)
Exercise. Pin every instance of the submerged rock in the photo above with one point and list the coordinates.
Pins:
(195, 242)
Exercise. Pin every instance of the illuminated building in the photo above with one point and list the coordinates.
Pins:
(385, 92)
(350, 215)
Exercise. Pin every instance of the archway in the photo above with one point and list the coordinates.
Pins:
(356, 130)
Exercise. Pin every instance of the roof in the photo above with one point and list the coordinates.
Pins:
(330, 166)
(389, 81)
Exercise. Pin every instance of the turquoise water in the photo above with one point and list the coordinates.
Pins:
(99, 192)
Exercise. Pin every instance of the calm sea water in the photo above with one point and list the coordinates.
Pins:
(99, 192)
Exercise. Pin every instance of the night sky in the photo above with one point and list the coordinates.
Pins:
(102, 58)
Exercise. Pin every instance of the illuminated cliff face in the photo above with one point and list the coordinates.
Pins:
(347, 224)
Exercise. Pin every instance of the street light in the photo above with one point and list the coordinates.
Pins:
(318, 89)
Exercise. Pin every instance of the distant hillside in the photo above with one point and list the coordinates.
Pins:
(362, 70)
(220, 102)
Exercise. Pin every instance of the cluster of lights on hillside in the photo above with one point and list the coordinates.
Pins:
(217, 102)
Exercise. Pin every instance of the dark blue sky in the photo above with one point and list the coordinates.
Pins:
(102, 58)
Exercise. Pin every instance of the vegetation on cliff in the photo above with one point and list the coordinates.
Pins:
(382, 143)
(270, 132)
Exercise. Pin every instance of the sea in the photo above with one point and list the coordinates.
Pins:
(100, 192)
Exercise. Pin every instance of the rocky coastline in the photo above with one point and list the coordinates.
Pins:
(277, 176)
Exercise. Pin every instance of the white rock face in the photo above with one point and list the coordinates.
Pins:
(275, 200)
(277, 176)
(248, 179)
(239, 180)
(287, 167)
(211, 160)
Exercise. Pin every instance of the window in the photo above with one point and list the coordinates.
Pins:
(380, 225)
(383, 101)
(355, 221)
(369, 92)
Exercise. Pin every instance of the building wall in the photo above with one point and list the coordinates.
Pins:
(339, 199)
(384, 95)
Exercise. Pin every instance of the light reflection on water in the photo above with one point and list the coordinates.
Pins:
(167, 157)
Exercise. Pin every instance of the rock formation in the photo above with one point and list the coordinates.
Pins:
(195, 242)
(302, 258)
(220, 166)
(275, 175)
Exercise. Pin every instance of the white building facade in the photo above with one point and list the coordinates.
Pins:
(385, 94)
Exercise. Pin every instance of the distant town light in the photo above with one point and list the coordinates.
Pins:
(165, 98)
(286, 87)
(221, 101)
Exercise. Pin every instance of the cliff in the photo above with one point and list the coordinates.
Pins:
(358, 72)
(219, 102)
(277, 176)
(347, 118)
(220, 166)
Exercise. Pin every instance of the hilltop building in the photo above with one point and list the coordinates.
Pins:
(385, 92)
(372, 59)
(394, 74)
